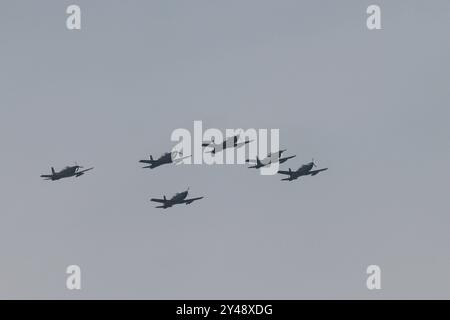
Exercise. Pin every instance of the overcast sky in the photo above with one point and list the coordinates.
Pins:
(372, 106)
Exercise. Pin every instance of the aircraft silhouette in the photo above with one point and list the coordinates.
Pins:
(178, 198)
(304, 170)
(273, 157)
(231, 142)
(70, 171)
(166, 158)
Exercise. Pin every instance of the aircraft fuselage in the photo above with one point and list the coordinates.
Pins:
(65, 173)
(305, 169)
(166, 158)
(179, 197)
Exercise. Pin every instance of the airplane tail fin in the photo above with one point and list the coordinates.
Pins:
(53, 170)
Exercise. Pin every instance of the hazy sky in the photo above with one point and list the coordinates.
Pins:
(372, 106)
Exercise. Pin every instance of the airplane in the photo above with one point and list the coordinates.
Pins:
(229, 142)
(304, 170)
(168, 157)
(274, 156)
(178, 198)
(70, 171)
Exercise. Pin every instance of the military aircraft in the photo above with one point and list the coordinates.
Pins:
(70, 171)
(168, 157)
(178, 198)
(304, 170)
(227, 143)
(271, 157)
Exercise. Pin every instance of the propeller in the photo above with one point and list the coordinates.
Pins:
(313, 163)
(174, 154)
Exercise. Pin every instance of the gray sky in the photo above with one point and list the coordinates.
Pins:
(370, 105)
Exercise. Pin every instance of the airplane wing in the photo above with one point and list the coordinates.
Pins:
(282, 160)
(80, 173)
(285, 172)
(314, 172)
(177, 160)
(188, 201)
(158, 200)
(240, 144)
